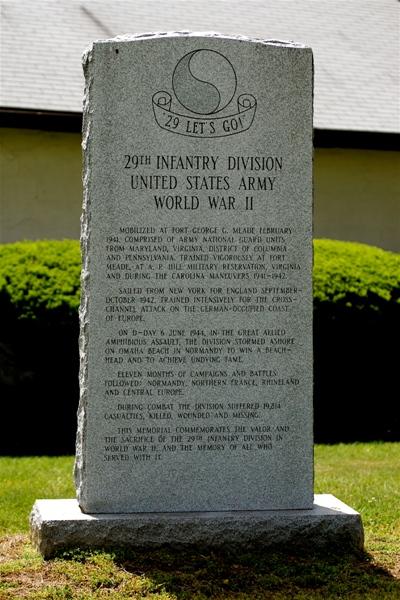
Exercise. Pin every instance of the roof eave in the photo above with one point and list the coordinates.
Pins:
(44, 120)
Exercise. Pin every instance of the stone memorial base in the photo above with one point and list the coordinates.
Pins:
(60, 524)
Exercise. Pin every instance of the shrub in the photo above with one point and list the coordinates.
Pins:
(356, 312)
(39, 361)
(40, 279)
(355, 276)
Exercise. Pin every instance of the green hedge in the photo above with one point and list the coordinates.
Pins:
(39, 278)
(355, 275)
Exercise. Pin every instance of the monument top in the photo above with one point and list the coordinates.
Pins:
(196, 314)
(133, 37)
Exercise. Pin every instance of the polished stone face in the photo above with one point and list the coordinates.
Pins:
(196, 315)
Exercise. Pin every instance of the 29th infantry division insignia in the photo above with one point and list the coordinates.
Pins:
(204, 82)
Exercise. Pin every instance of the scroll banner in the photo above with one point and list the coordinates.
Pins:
(209, 127)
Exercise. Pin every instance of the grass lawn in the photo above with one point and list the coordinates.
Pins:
(365, 476)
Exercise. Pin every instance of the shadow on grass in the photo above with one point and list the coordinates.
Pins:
(190, 575)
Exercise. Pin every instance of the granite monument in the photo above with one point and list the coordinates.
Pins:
(195, 419)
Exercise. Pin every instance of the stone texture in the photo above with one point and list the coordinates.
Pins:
(225, 100)
(330, 524)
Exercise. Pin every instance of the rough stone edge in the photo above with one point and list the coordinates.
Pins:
(80, 458)
(255, 530)
(137, 37)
